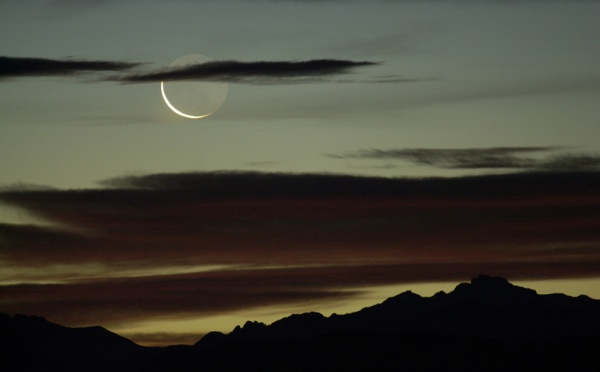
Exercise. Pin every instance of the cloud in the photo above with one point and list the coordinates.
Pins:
(194, 244)
(29, 67)
(250, 218)
(569, 162)
(484, 158)
(120, 301)
(255, 184)
(262, 72)
(251, 72)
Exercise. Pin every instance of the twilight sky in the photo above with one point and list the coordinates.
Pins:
(364, 147)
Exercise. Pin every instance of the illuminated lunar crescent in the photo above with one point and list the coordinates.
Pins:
(193, 99)
(174, 109)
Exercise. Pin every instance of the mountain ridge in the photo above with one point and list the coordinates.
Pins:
(409, 312)
(488, 323)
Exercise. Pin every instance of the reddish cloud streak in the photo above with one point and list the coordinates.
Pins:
(117, 301)
(322, 236)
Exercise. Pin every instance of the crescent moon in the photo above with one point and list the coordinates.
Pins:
(193, 99)
(174, 109)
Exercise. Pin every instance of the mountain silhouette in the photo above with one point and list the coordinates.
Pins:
(487, 324)
(31, 343)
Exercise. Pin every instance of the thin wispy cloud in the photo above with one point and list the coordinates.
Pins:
(259, 72)
(485, 158)
(12, 67)
(391, 79)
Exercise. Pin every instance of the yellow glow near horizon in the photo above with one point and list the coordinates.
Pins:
(226, 322)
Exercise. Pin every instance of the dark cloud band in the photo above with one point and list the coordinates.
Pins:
(257, 184)
(274, 239)
(486, 158)
(120, 301)
(250, 72)
(22, 67)
(261, 72)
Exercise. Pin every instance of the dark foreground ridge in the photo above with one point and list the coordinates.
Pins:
(488, 324)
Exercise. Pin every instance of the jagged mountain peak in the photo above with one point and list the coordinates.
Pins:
(492, 287)
(488, 280)
(403, 298)
(298, 319)
(486, 306)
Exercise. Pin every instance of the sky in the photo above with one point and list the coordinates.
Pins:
(363, 148)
